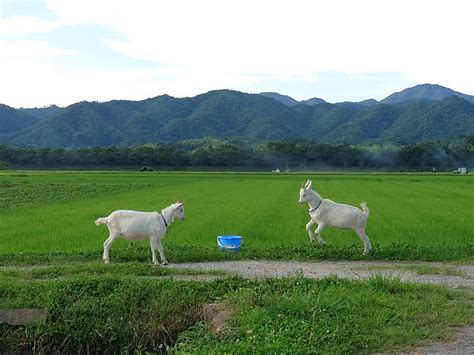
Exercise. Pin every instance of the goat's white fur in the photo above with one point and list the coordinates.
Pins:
(135, 225)
(330, 213)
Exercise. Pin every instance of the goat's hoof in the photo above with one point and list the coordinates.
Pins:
(164, 262)
(106, 262)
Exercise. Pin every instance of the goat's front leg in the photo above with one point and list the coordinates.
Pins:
(162, 254)
(318, 233)
(308, 229)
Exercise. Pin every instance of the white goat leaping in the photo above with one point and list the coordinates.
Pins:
(134, 225)
(325, 212)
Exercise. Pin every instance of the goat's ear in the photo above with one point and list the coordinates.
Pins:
(180, 203)
(309, 185)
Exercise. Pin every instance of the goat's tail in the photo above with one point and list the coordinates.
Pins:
(365, 208)
(99, 221)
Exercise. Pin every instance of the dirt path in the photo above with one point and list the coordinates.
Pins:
(451, 275)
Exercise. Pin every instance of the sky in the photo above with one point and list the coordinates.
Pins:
(64, 51)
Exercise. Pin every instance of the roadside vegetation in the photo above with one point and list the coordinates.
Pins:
(333, 316)
(117, 312)
(423, 269)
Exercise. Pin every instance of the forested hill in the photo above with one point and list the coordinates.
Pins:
(226, 113)
(424, 92)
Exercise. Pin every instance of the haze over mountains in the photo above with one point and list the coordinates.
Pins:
(424, 112)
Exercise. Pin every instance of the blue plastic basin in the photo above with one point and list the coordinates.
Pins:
(229, 242)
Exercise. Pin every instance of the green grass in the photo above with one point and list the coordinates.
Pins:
(49, 216)
(96, 268)
(332, 316)
(33, 194)
(423, 269)
(107, 313)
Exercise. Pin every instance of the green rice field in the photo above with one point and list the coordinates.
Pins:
(50, 215)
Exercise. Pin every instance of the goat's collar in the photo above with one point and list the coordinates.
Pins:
(314, 209)
(164, 220)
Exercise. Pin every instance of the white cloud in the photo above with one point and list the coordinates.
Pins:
(283, 37)
(210, 44)
(311, 78)
(26, 25)
(27, 49)
(43, 84)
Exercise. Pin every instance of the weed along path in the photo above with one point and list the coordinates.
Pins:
(449, 274)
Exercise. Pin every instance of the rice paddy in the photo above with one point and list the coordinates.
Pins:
(412, 216)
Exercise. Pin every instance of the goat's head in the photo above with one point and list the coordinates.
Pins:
(305, 192)
(178, 210)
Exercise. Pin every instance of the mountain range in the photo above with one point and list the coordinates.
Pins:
(424, 112)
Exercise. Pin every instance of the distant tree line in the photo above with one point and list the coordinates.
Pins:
(216, 153)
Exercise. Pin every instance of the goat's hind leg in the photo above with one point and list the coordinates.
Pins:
(107, 245)
(153, 246)
(365, 239)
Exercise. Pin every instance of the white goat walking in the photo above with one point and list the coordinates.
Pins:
(325, 212)
(135, 225)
